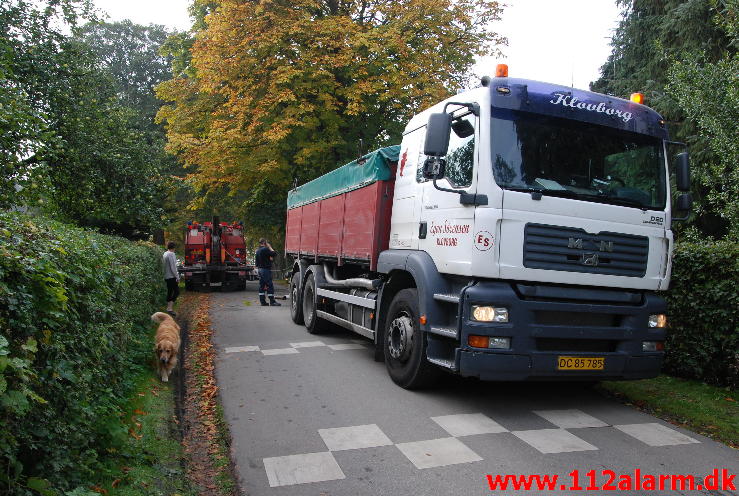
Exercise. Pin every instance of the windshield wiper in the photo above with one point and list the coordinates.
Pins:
(566, 193)
(617, 200)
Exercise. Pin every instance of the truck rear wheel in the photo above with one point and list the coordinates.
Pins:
(405, 344)
(313, 323)
(296, 299)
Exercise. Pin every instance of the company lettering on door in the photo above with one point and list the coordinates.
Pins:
(446, 234)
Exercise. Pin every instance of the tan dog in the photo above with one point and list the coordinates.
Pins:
(167, 344)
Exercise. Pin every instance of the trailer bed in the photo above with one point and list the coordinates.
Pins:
(345, 214)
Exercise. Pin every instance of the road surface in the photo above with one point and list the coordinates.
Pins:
(315, 415)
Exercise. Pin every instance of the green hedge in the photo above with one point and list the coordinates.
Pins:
(74, 333)
(703, 303)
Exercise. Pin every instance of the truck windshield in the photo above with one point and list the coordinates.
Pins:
(572, 159)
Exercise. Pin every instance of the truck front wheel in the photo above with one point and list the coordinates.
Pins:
(405, 344)
(296, 300)
(313, 323)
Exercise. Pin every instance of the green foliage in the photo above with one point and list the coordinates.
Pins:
(652, 37)
(130, 54)
(703, 310)
(708, 93)
(29, 47)
(77, 136)
(74, 331)
(106, 173)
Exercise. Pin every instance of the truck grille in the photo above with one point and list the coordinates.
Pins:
(574, 250)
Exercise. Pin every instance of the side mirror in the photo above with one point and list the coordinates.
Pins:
(682, 172)
(434, 168)
(684, 203)
(437, 135)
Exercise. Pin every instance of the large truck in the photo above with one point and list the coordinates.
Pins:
(522, 230)
(216, 256)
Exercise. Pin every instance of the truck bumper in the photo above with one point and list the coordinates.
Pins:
(549, 322)
(216, 277)
(543, 366)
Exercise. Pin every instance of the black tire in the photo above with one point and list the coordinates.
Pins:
(405, 345)
(313, 323)
(188, 286)
(296, 299)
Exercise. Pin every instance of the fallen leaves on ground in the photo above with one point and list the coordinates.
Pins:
(201, 441)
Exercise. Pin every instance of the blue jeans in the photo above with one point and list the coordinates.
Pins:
(265, 284)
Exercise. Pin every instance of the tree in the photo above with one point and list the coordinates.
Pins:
(130, 54)
(280, 91)
(651, 37)
(105, 173)
(708, 93)
(29, 50)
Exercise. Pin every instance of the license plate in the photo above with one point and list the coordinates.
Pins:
(580, 363)
(216, 283)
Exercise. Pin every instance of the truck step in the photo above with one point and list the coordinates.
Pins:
(441, 362)
(448, 298)
(364, 331)
(447, 332)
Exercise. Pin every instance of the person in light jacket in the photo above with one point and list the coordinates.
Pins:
(171, 276)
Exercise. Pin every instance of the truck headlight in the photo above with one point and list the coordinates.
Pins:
(489, 314)
(658, 320)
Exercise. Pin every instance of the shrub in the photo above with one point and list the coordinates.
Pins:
(74, 332)
(703, 302)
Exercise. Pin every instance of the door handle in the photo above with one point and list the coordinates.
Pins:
(422, 230)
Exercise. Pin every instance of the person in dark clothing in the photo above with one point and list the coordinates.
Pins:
(263, 260)
(171, 276)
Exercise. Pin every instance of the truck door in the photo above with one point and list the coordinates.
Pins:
(449, 223)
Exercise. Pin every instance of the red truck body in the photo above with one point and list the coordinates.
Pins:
(352, 226)
(216, 256)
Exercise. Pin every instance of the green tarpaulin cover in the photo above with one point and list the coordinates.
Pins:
(375, 166)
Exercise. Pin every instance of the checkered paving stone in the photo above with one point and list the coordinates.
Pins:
(468, 424)
(317, 467)
(356, 437)
(347, 346)
(308, 344)
(656, 434)
(553, 441)
(570, 419)
(438, 452)
(241, 349)
(280, 351)
(294, 348)
(301, 469)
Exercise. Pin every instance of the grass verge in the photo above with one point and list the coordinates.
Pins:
(709, 410)
(152, 460)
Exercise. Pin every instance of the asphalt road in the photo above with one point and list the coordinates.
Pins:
(315, 415)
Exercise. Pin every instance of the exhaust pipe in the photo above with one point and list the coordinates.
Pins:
(357, 282)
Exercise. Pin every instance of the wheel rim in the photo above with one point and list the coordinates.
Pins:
(400, 339)
(294, 299)
(308, 304)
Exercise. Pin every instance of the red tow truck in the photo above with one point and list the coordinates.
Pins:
(216, 256)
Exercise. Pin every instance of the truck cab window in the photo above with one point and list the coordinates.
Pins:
(461, 155)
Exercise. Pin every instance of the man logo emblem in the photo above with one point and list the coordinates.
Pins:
(575, 243)
(606, 246)
(590, 259)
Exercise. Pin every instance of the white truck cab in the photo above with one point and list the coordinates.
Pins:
(530, 232)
